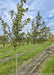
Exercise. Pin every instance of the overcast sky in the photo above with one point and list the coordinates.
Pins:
(46, 8)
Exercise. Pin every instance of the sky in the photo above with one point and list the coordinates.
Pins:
(46, 8)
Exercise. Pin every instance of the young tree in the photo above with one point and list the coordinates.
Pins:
(28, 39)
(39, 30)
(4, 40)
(35, 27)
(33, 31)
(44, 32)
(18, 23)
(5, 31)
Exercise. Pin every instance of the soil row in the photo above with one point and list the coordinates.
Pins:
(33, 66)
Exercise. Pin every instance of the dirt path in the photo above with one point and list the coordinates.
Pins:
(33, 67)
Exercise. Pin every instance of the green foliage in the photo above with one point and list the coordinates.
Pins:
(44, 32)
(12, 13)
(18, 24)
(4, 39)
(4, 27)
(38, 20)
(23, 1)
(40, 32)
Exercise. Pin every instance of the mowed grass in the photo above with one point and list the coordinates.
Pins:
(9, 66)
(48, 67)
(10, 51)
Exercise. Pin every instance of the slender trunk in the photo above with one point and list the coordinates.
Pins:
(35, 48)
(3, 45)
(16, 61)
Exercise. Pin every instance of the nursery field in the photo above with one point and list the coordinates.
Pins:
(25, 54)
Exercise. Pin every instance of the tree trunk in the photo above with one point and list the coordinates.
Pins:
(3, 45)
(34, 40)
(22, 43)
(16, 61)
